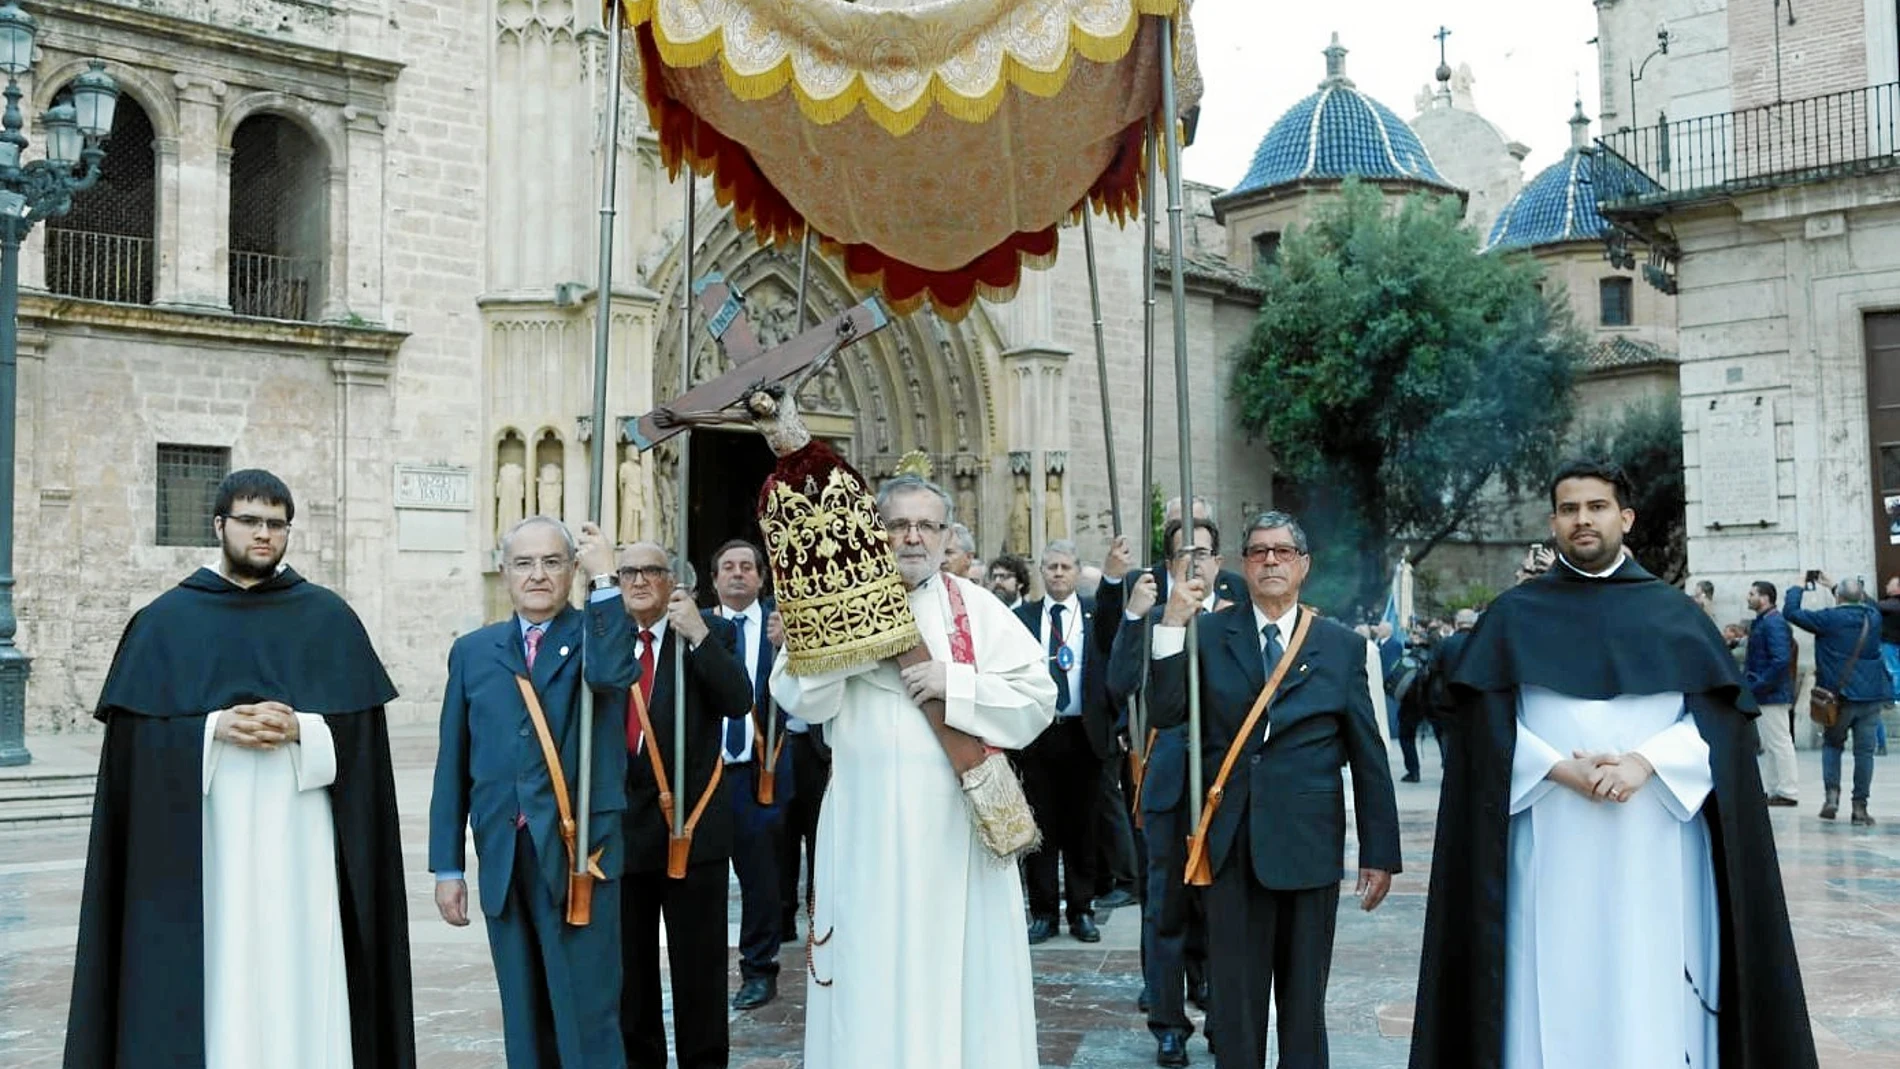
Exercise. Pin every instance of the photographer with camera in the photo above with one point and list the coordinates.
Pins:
(1850, 683)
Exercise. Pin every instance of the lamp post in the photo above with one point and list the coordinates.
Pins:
(29, 192)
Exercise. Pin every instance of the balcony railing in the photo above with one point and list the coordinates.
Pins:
(99, 267)
(272, 287)
(1795, 141)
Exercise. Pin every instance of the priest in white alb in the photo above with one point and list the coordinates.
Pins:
(918, 959)
(1605, 891)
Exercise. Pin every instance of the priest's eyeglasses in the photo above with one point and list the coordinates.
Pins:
(272, 524)
(1279, 554)
(904, 528)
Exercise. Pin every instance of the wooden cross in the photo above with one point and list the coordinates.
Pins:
(724, 309)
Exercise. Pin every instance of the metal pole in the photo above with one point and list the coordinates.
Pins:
(597, 453)
(1138, 706)
(1171, 139)
(679, 501)
(1101, 372)
(804, 273)
(14, 665)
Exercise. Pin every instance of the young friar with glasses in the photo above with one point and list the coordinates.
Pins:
(243, 899)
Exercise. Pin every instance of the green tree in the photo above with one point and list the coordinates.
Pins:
(1406, 384)
(1645, 440)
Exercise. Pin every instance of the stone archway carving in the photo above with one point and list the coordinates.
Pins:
(920, 384)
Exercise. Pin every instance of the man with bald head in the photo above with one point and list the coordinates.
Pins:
(560, 983)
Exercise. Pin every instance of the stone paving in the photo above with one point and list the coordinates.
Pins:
(1843, 888)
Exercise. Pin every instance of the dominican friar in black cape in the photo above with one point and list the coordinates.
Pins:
(255, 690)
(1604, 887)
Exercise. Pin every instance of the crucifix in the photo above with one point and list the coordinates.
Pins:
(752, 366)
(754, 369)
(1441, 35)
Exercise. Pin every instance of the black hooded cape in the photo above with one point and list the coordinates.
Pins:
(207, 644)
(1629, 633)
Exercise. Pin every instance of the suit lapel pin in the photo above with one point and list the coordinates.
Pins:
(563, 651)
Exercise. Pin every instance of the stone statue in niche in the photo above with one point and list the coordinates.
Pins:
(777, 322)
(547, 498)
(633, 504)
(709, 362)
(1019, 516)
(966, 503)
(1055, 518)
(823, 393)
(510, 498)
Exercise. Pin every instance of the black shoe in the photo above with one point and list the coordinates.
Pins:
(755, 992)
(1084, 929)
(1041, 930)
(1409, 777)
(1144, 1001)
(1781, 800)
(1116, 899)
(1171, 1049)
(1197, 994)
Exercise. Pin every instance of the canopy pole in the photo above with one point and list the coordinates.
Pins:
(680, 524)
(1138, 702)
(597, 451)
(1171, 140)
(804, 273)
(1101, 371)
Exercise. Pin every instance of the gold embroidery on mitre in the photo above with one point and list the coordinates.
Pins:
(841, 600)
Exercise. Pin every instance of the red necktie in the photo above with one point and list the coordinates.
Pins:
(533, 639)
(646, 691)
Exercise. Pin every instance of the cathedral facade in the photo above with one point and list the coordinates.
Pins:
(355, 242)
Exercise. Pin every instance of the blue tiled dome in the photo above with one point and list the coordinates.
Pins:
(1560, 204)
(1339, 132)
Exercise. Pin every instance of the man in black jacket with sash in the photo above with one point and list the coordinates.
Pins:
(1604, 887)
(245, 755)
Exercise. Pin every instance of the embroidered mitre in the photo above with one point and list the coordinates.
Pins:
(840, 597)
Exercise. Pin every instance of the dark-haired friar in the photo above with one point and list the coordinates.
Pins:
(243, 899)
(1604, 887)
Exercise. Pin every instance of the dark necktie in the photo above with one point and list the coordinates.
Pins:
(1270, 648)
(645, 686)
(1056, 670)
(735, 728)
(533, 639)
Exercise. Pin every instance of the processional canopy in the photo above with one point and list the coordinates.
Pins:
(933, 146)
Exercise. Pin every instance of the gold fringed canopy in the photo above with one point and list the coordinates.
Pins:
(934, 146)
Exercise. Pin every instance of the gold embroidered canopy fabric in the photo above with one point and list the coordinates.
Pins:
(933, 145)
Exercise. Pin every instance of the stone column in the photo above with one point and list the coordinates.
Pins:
(356, 264)
(363, 482)
(195, 214)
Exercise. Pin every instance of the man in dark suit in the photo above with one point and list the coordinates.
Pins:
(694, 905)
(1277, 842)
(757, 828)
(1173, 918)
(560, 984)
(1062, 769)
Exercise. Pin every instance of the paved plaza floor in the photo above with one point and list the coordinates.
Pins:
(1843, 892)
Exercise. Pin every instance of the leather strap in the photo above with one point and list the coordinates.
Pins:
(553, 758)
(1847, 667)
(1197, 843)
(659, 773)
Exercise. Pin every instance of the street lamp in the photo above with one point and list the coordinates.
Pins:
(29, 192)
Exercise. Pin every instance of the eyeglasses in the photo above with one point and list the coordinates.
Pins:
(1280, 554)
(652, 573)
(1199, 553)
(905, 528)
(527, 565)
(272, 524)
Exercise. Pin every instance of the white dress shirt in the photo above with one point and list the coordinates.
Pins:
(1074, 636)
(748, 651)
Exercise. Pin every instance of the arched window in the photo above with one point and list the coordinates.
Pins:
(101, 250)
(279, 220)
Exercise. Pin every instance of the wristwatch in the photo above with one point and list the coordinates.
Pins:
(601, 582)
